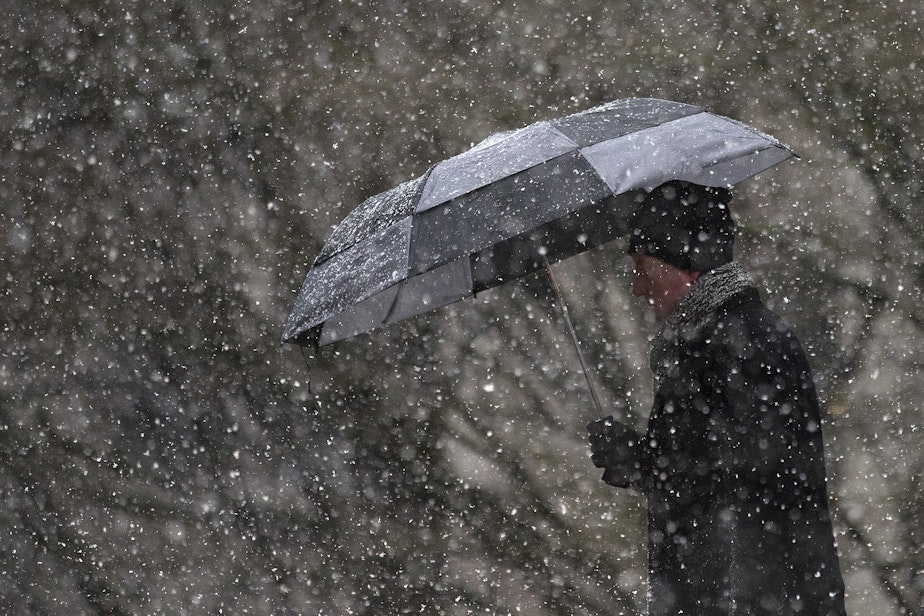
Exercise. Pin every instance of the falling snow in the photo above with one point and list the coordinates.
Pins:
(173, 169)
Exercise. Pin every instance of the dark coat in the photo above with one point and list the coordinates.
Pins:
(733, 468)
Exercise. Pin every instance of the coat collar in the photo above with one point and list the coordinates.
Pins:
(712, 297)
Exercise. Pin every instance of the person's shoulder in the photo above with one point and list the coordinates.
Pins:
(745, 306)
(745, 319)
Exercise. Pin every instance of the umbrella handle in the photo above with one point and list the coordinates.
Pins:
(574, 338)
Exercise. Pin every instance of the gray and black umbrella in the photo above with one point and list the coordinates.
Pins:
(510, 205)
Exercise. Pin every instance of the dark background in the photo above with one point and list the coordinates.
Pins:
(169, 171)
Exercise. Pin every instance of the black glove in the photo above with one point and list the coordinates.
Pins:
(614, 447)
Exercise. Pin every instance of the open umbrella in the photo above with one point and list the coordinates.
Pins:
(511, 204)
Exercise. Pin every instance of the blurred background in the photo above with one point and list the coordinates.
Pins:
(168, 172)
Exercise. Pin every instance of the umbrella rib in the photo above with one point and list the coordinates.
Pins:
(574, 338)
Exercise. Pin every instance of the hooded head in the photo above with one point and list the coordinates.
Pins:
(685, 225)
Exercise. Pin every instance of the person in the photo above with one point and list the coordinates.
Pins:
(732, 462)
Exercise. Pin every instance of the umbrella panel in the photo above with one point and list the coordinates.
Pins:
(373, 215)
(497, 157)
(350, 276)
(730, 172)
(507, 208)
(620, 118)
(414, 296)
(702, 148)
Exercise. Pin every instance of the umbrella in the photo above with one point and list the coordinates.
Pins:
(511, 205)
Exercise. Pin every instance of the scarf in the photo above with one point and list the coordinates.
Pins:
(710, 291)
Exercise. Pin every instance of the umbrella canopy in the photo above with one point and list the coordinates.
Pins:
(510, 204)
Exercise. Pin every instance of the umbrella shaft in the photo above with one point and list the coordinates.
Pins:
(574, 338)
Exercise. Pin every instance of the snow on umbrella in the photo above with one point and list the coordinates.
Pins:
(510, 205)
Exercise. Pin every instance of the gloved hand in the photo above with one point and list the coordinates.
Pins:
(614, 447)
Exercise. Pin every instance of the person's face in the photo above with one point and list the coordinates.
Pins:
(662, 285)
